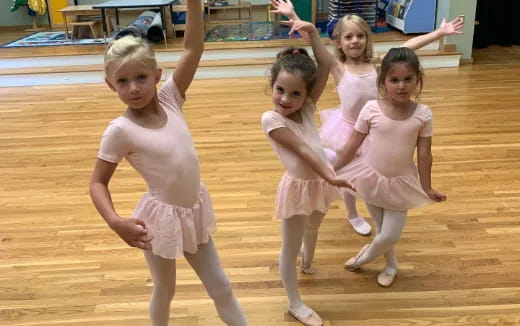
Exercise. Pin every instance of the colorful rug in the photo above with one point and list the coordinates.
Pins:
(258, 31)
(51, 39)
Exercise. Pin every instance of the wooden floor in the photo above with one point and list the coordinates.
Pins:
(459, 261)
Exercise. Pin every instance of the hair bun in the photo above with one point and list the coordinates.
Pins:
(292, 51)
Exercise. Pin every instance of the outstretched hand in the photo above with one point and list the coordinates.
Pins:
(133, 231)
(455, 26)
(342, 183)
(283, 7)
(334, 180)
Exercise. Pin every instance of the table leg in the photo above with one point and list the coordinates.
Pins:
(170, 29)
(163, 22)
(66, 25)
(117, 19)
(104, 22)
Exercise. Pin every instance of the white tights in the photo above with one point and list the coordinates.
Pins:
(389, 226)
(294, 230)
(206, 264)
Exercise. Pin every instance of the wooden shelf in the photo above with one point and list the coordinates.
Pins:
(238, 6)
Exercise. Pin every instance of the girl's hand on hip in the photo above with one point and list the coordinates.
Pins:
(134, 232)
(435, 195)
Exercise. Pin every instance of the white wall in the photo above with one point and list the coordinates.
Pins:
(450, 9)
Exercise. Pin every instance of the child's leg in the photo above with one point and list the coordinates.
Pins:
(292, 234)
(359, 224)
(206, 264)
(377, 215)
(310, 237)
(391, 259)
(163, 276)
(390, 232)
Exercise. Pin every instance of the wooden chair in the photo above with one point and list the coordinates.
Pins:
(78, 24)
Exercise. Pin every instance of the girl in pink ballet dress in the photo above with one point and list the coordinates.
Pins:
(354, 72)
(310, 184)
(385, 175)
(175, 217)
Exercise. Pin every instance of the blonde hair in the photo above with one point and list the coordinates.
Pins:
(363, 26)
(127, 48)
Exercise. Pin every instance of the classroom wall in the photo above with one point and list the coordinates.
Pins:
(450, 9)
(18, 17)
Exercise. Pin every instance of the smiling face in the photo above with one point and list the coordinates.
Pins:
(400, 83)
(134, 81)
(289, 92)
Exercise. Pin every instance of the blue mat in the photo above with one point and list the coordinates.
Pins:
(50, 39)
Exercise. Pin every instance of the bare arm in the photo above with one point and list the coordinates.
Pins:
(193, 47)
(286, 8)
(424, 164)
(132, 231)
(320, 52)
(445, 29)
(286, 138)
(352, 146)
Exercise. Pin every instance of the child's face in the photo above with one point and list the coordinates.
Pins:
(400, 83)
(289, 93)
(353, 40)
(135, 82)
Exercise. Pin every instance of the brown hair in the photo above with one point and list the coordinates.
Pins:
(397, 56)
(295, 60)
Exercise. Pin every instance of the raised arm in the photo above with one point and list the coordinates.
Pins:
(193, 47)
(347, 154)
(424, 165)
(287, 139)
(133, 231)
(455, 26)
(323, 57)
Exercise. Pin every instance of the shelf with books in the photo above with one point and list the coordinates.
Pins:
(412, 16)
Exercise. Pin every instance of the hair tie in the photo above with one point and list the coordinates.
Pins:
(296, 51)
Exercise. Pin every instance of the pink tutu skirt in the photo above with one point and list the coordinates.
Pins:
(396, 193)
(335, 130)
(176, 229)
(303, 196)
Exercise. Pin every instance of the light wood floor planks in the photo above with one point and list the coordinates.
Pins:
(60, 264)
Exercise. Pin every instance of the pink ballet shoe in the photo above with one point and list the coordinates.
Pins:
(352, 264)
(310, 320)
(385, 280)
(360, 225)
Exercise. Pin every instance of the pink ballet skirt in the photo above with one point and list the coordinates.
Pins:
(177, 229)
(398, 193)
(303, 196)
(335, 130)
